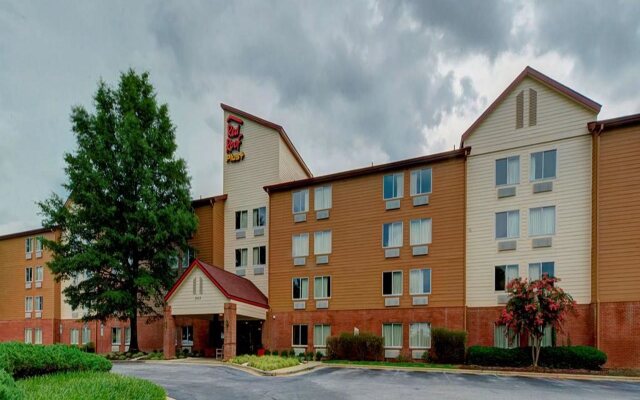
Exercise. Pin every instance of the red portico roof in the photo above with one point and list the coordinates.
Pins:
(234, 287)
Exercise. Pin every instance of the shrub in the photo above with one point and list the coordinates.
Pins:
(275, 353)
(292, 353)
(362, 347)
(89, 347)
(565, 357)
(425, 357)
(267, 352)
(23, 360)
(8, 388)
(266, 363)
(448, 346)
(319, 355)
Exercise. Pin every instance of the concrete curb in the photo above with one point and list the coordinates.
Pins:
(519, 374)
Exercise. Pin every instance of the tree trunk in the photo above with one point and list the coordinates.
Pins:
(535, 350)
(133, 323)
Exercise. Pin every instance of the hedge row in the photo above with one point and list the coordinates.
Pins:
(448, 346)
(22, 360)
(8, 388)
(362, 347)
(564, 357)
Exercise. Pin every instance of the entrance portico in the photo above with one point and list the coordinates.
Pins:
(213, 312)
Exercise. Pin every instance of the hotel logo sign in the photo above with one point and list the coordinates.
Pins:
(234, 139)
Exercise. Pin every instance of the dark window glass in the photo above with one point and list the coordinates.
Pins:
(387, 283)
(300, 334)
(500, 278)
(259, 216)
(328, 278)
(501, 172)
(388, 187)
(547, 268)
(501, 225)
(296, 289)
(549, 164)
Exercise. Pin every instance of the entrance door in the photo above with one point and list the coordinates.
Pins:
(249, 337)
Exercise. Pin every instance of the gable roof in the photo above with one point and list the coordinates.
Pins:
(529, 72)
(275, 127)
(231, 285)
(598, 127)
(411, 162)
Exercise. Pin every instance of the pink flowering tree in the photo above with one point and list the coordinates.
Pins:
(532, 306)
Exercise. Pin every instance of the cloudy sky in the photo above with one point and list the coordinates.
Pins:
(357, 81)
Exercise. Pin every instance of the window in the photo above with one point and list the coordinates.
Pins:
(392, 186)
(28, 274)
(38, 303)
(392, 234)
(392, 334)
(39, 244)
(241, 257)
(115, 336)
(420, 335)
(508, 171)
(127, 335)
(501, 340)
(241, 220)
(301, 245)
(75, 336)
(421, 181)
(392, 283)
(508, 224)
(260, 255)
(301, 201)
(322, 287)
(28, 304)
(300, 287)
(300, 335)
(322, 198)
(503, 275)
(259, 217)
(187, 335)
(537, 270)
(28, 335)
(420, 231)
(543, 165)
(28, 245)
(542, 221)
(322, 242)
(39, 274)
(86, 334)
(420, 281)
(320, 335)
(38, 336)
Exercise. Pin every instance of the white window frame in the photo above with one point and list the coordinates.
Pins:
(324, 279)
(325, 193)
(300, 236)
(116, 340)
(392, 275)
(321, 340)
(189, 329)
(418, 326)
(28, 335)
(256, 217)
(293, 328)
(74, 336)
(241, 213)
(316, 249)
(28, 273)
(295, 193)
(37, 333)
(430, 281)
(244, 257)
(391, 225)
(39, 246)
(532, 171)
(539, 265)
(28, 304)
(542, 210)
(254, 255)
(508, 160)
(421, 221)
(28, 245)
(393, 346)
(306, 296)
(398, 183)
(35, 303)
(414, 182)
(506, 275)
(500, 331)
(39, 276)
(510, 214)
(86, 334)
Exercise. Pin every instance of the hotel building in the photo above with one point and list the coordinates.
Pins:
(283, 259)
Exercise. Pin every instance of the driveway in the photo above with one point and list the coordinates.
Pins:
(186, 382)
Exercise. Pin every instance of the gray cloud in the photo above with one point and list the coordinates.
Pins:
(352, 82)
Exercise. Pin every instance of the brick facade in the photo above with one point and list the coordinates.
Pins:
(619, 338)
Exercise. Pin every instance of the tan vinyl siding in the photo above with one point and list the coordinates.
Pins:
(618, 223)
(357, 259)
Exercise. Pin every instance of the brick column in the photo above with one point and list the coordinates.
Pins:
(229, 331)
(169, 340)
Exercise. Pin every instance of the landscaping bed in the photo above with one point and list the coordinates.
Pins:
(124, 356)
(266, 363)
(405, 364)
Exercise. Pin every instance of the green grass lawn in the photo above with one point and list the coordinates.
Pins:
(392, 364)
(266, 363)
(89, 385)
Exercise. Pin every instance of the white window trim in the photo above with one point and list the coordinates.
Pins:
(555, 222)
(119, 336)
(293, 246)
(315, 197)
(400, 192)
(253, 261)
(324, 339)
(293, 327)
(401, 335)
(36, 274)
(419, 347)
(25, 274)
(401, 234)
(495, 225)
(330, 242)
(411, 192)
(30, 303)
(328, 287)
(532, 180)
(430, 231)
(540, 262)
(242, 250)
(430, 281)
(401, 285)
(292, 286)
(306, 201)
(265, 217)
(505, 275)
(519, 172)
(247, 224)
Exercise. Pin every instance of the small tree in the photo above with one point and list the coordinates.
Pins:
(532, 306)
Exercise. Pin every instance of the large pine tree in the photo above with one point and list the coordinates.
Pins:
(129, 210)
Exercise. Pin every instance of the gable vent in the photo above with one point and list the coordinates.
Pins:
(533, 107)
(520, 110)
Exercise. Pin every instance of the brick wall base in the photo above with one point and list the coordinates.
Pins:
(620, 333)
(278, 330)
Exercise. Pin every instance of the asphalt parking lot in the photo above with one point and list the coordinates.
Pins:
(188, 382)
